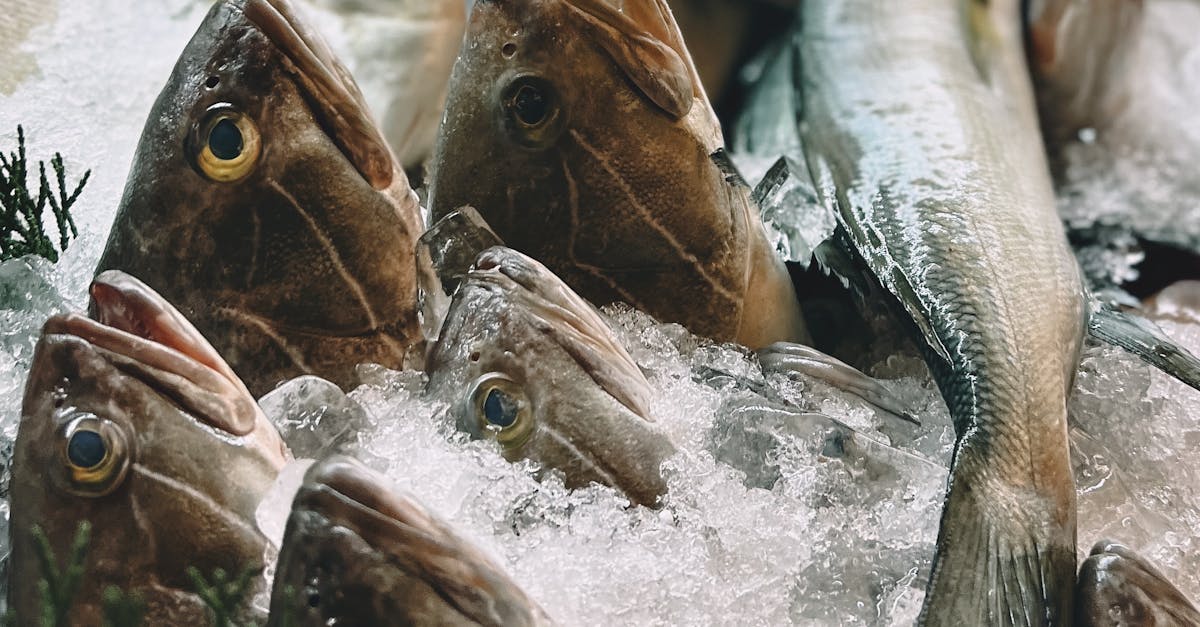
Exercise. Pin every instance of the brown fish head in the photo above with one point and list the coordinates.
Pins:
(358, 552)
(1118, 587)
(135, 425)
(525, 361)
(265, 204)
(581, 133)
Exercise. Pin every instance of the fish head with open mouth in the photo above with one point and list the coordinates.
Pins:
(525, 361)
(264, 202)
(133, 423)
(358, 552)
(580, 131)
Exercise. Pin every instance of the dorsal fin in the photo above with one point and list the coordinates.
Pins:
(643, 40)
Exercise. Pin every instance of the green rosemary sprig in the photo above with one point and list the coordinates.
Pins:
(22, 231)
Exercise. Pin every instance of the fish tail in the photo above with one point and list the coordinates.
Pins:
(997, 566)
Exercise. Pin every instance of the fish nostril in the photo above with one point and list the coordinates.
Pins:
(475, 356)
(314, 600)
(509, 50)
(212, 82)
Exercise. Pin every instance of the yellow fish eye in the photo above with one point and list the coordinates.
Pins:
(95, 455)
(502, 409)
(227, 144)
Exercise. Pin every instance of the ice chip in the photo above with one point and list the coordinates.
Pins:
(314, 416)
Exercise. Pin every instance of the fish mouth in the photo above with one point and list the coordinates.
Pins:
(162, 349)
(335, 98)
(569, 319)
(352, 495)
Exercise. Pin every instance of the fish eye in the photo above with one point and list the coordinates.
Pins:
(533, 112)
(502, 409)
(226, 144)
(95, 455)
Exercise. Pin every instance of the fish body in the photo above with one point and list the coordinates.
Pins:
(358, 552)
(524, 360)
(134, 424)
(581, 132)
(920, 131)
(1119, 588)
(264, 203)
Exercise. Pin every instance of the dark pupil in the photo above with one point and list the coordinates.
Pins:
(500, 409)
(225, 140)
(86, 449)
(530, 105)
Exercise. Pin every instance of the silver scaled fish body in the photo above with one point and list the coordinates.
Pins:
(919, 129)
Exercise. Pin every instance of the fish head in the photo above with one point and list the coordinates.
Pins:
(580, 131)
(1117, 586)
(264, 202)
(525, 361)
(356, 551)
(133, 423)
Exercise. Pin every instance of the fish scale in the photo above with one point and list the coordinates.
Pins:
(936, 170)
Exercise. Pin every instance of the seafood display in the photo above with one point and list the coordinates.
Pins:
(538, 346)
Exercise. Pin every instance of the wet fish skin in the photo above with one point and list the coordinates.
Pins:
(1119, 588)
(584, 402)
(359, 552)
(920, 131)
(188, 456)
(615, 188)
(304, 265)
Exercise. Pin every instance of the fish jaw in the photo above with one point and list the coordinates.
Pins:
(186, 455)
(586, 402)
(357, 549)
(1119, 587)
(303, 265)
(618, 194)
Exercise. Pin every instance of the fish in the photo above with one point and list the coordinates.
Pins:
(266, 205)
(1118, 588)
(357, 551)
(920, 133)
(1081, 55)
(523, 360)
(402, 53)
(133, 423)
(580, 131)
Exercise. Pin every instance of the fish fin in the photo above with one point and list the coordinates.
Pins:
(990, 569)
(1142, 338)
(728, 168)
(645, 43)
(873, 254)
(1114, 577)
(788, 358)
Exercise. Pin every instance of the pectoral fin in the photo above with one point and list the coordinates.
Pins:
(1142, 338)
(788, 358)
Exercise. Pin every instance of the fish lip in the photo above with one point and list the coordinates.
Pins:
(362, 489)
(337, 102)
(132, 321)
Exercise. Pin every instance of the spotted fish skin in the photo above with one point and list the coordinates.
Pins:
(920, 132)
(304, 264)
(580, 131)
